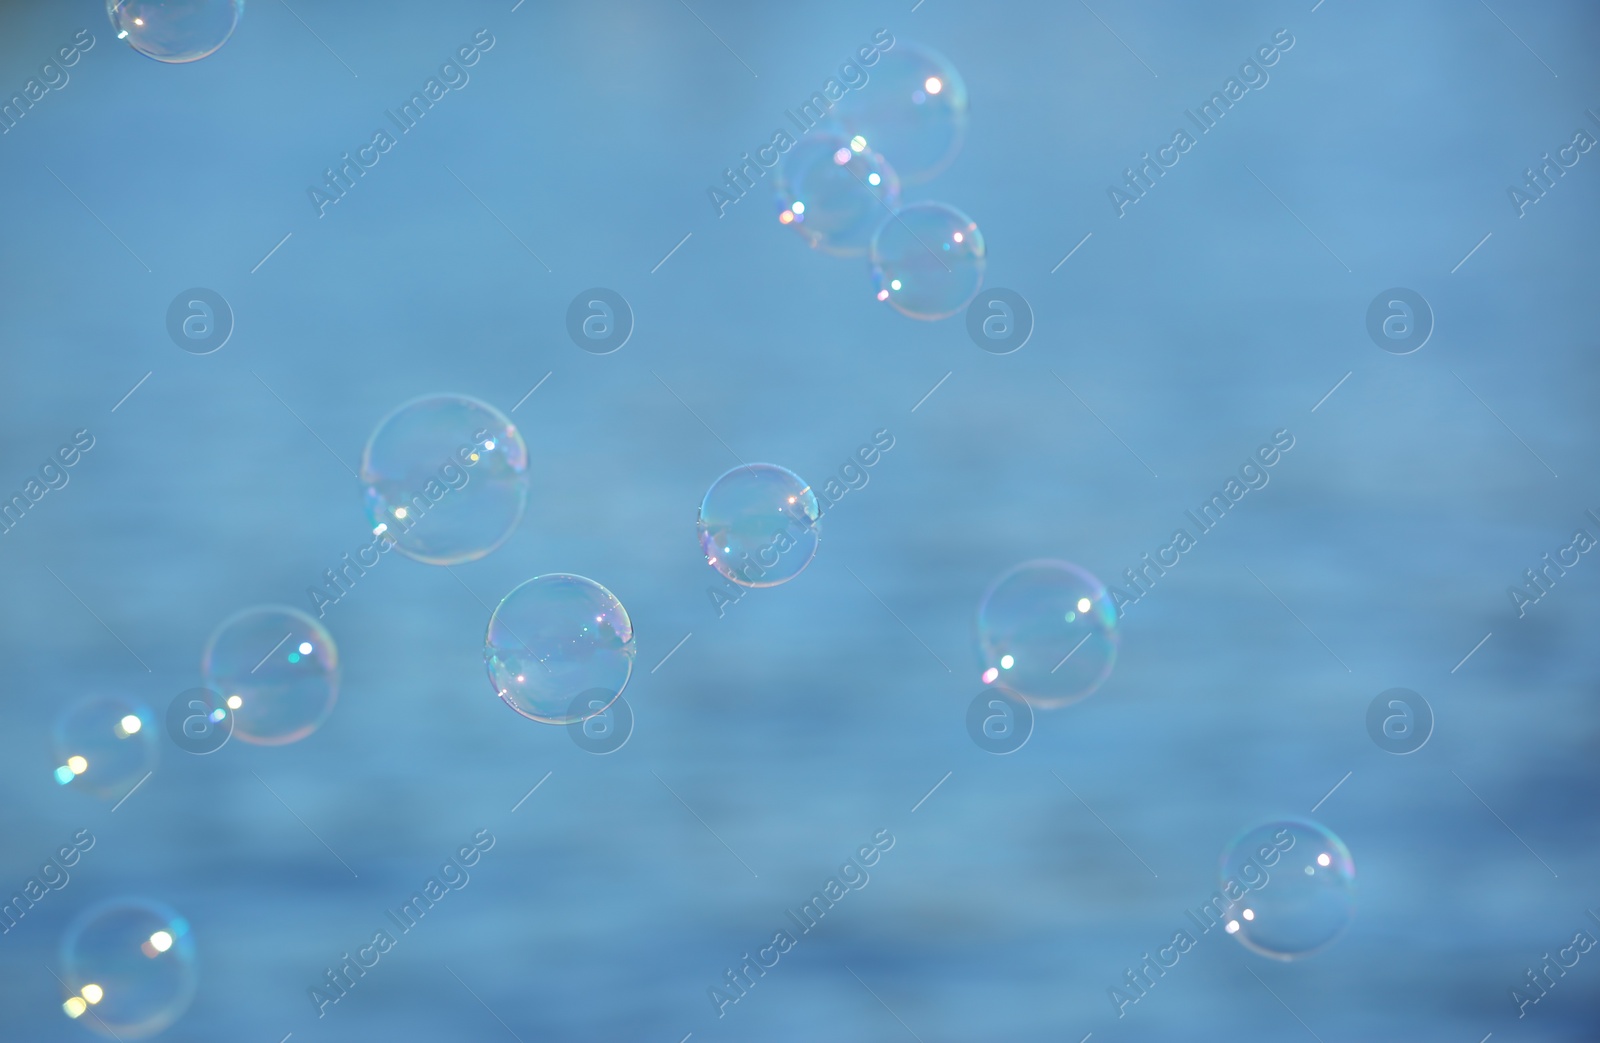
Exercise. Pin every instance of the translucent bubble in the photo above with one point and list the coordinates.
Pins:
(128, 967)
(175, 30)
(913, 111)
(1299, 885)
(446, 478)
(554, 638)
(928, 261)
(759, 525)
(277, 669)
(1047, 633)
(836, 192)
(105, 745)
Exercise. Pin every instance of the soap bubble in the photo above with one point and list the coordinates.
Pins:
(105, 745)
(836, 192)
(758, 525)
(1299, 888)
(554, 638)
(175, 30)
(446, 478)
(1047, 633)
(128, 967)
(277, 670)
(928, 261)
(913, 111)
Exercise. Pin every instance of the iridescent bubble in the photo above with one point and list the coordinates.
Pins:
(128, 968)
(928, 261)
(554, 638)
(277, 670)
(913, 111)
(105, 745)
(1047, 633)
(175, 30)
(758, 525)
(1298, 885)
(446, 478)
(836, 192)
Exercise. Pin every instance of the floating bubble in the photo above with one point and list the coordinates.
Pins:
(128, 968)
(928, 261)
(1299, 888)
(758, 525)
(175, 31)
(836, 192)
(105, 745)
(446, 478)
(1047, 632)
(913, 111)
(277, 670)
(554, 638)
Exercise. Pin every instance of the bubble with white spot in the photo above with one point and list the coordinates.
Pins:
(128, 968)
(1047, 633)
(1295, 885)
(928, 261)
(836, 192)
(554, 638)
(175, 31)
(277, 669)
(104, 744)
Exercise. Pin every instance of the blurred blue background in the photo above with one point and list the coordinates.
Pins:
(1222, 307)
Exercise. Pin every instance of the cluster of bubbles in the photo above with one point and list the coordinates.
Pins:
(272, 669)
(445, 482)
(840, 187)
(175, 31)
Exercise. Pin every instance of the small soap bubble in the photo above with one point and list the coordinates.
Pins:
(1299, 888)
(835, 193)
(128, 968)
(277, 670)
(758, 525)
(175, 31)
(555, 638)
(913, 111)
(104, 745)
(1047, 633)
(446, 478)
(928, 261)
